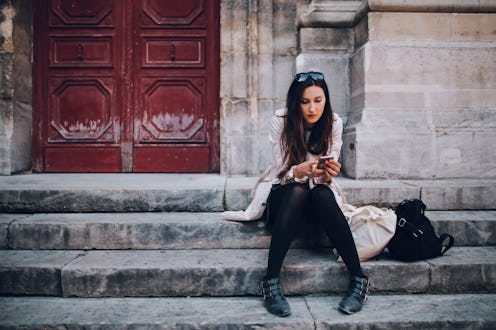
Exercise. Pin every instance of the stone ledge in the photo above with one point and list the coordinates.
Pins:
(456, 194)
(327, 14)
(446, 6)
(231, 272)
(41, 193)
(183, 230)
(338, 14)
(471, 311)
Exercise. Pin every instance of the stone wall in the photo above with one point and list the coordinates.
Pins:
(423, 92)
(258, 50)
(15, 86)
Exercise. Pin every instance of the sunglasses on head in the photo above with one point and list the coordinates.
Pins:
(317, 76)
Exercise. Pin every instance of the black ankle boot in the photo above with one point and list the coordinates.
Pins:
(274, 300)
(356, 295)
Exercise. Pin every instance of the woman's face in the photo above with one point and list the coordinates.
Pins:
(312, 105)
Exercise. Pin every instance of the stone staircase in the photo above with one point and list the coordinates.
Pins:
(132, 251)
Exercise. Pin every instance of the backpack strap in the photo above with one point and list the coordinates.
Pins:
(443, 237)
(403, 223)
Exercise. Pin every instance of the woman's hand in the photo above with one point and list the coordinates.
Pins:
(331, 170)
(305, 169)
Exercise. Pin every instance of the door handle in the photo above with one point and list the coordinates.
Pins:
(172, 53)
(80, 51)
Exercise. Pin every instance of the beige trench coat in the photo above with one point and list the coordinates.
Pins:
(262, 188)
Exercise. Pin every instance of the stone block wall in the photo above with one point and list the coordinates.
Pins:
(423, 94)
(15, 86)
(258, 50)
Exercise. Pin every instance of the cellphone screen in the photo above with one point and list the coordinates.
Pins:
(321, 163)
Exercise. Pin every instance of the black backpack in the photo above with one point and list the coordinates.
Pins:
(415, 238)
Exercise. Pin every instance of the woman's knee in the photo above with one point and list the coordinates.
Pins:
(322, 194)
(297, 192)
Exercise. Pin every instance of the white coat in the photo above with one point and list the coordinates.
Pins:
(262, 188)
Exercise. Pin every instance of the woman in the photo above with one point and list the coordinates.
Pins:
(301, 190)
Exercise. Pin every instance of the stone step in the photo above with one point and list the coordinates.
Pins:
(44, 193)
(231, 272)
(185, 230)
(452, 311)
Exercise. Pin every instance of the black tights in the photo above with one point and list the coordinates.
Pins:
(293, 203)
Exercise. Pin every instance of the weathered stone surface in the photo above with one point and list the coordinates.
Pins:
(212, 193)
(465, 311)
(113, 200)
(467, 227)
(465, 6)
(238, 272)
(134, 231)
(455, 267)
(164, 273)
(6, 79)
(106, 193)
(330, 13)
(4, 230)
(151, 313)
(5, 221)
(184, 230)
(422, 80)
(431, 26)
(238, 192)
(451, 67)
(33, 272)
(447, 312)
(366, 192)
(473, 194)
(257, 38)
(326, 39)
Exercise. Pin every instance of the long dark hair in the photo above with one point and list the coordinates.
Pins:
(293, 143)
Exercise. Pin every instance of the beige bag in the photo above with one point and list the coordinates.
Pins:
(372, 228)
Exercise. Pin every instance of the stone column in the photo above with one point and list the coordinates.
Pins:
(258, 38)
(423, 92)
(15, 86)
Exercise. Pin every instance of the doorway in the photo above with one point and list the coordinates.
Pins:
(126, 85)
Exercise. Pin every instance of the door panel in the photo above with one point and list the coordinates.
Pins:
(176, 107)
(172, 110)
(82, 110)
(173, 52)
(94, 13)
(82, 159)
(183, 14)
(126, 85)
(166, 158)
(78, 112)
(80, 52)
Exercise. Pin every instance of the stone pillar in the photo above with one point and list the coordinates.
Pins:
(15, 86)
(423, 92)
(258, 38)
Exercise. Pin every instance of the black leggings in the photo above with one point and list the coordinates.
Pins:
(290, 205)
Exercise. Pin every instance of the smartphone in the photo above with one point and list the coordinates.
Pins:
(321, 163)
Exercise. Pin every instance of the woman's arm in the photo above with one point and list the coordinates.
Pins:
(332, 167)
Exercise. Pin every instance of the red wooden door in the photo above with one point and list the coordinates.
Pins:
(126, 86)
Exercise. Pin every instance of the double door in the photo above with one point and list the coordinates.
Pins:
(126, 85)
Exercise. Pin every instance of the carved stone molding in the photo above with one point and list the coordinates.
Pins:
(437, 6)
(330, 13)
(339, 13)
